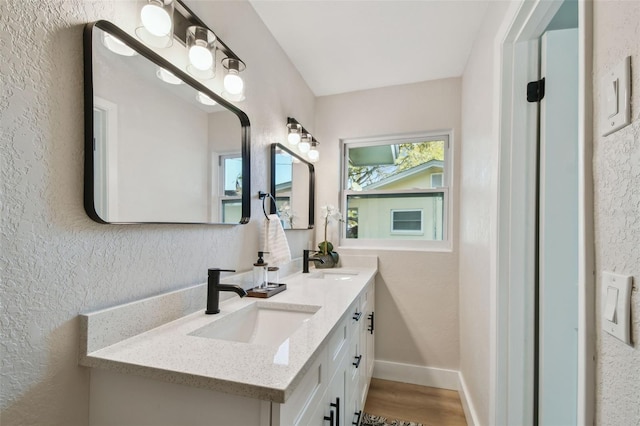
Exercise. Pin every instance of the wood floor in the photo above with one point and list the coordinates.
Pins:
(403, 401)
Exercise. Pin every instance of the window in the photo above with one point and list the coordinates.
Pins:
(406, 221)
(395, 191)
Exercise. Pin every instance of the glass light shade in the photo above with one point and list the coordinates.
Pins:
(205, 99)
(294, 136)
(201, 51)
(156, 23)
(167, 76)
(295, 132)
(233, 83)
(305, 145)
(116, 45)
(313, 153)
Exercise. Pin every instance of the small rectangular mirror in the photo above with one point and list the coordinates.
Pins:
(293, 187)
(160, 146)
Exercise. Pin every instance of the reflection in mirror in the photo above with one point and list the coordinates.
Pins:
(293, 186)
(161, 147)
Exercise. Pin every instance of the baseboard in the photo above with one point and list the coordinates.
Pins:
(416, 374)
(467, 404)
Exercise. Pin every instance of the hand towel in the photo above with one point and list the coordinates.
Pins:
(274, 241)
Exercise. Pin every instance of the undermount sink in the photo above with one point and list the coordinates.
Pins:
(332, 275)
(259, 323)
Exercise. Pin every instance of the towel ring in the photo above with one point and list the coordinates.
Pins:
(263, 196)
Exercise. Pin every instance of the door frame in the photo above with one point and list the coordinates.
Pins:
(513, 334)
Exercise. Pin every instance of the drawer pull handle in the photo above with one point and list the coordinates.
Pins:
(330, 418)
(357, 316)
(358, 359)
(337, 407)
(357, 422)
(371, 324)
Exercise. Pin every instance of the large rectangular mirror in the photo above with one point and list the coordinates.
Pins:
(160, 146)
(293, 187)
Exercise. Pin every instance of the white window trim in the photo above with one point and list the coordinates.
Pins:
(407, 231)
(444, 245)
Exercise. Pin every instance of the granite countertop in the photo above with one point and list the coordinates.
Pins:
(127, 340)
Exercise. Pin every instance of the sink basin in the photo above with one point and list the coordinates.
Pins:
(259, 323)
(333, 275)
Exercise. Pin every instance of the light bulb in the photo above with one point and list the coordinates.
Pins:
(116, 45)
(233, 82)
(167, 76)
(313, 155)
(205, 99)
(293, 138)
(155, 19)
(304, 146)
(199, 56)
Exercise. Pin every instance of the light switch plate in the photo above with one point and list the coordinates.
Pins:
(616, 109)
(616, 305)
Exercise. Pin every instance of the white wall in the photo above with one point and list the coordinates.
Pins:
(416, 291)
(617, 211)
(55, 261)
(478, 204)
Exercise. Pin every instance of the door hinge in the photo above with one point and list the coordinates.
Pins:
(535, 91)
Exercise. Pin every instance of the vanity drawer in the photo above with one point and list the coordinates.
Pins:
(338, 344)
(307, 394)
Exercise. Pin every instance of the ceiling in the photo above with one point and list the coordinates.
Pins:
(342, 46)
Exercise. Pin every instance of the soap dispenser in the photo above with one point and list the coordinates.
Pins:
(260, 271)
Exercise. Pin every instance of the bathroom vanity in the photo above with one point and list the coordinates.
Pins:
(302, 357)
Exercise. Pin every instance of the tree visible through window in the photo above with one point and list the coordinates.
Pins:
(396, 188)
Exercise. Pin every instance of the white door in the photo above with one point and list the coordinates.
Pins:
(558, 231)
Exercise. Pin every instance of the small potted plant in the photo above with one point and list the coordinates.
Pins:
(325, 251)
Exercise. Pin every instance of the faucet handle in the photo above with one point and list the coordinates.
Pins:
(221, 270)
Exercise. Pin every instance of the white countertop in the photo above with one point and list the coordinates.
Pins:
(168, 352)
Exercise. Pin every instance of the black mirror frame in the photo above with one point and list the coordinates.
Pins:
(143, 50)
(312, 181)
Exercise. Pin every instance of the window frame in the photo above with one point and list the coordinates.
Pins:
(428, 245)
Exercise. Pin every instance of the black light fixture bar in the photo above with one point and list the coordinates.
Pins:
(291, 120)
(183, 18)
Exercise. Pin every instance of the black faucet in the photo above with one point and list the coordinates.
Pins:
(214, 288)
(306, 259)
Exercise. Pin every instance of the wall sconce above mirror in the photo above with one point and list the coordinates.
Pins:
(160, 146)
(299, 137)
(293, 187)
(163, 21)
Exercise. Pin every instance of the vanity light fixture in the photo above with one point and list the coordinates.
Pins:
(313, 153)
(116, 45)
(156, 23)
(295, 129)
(233, 83)
(168, 76)
(205, 99)
(305, 143)
(201, 51)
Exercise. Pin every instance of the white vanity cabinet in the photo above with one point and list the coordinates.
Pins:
(348, 356)
(331, 392)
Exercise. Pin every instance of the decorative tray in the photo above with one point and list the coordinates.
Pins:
(269, 291)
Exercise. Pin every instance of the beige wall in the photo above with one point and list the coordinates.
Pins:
(416, 291)
(616, 165)
(55, 261)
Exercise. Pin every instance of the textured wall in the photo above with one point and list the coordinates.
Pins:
(55, 261)
(617, 211)
(416, 291)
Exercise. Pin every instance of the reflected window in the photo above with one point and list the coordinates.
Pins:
(231, 188)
